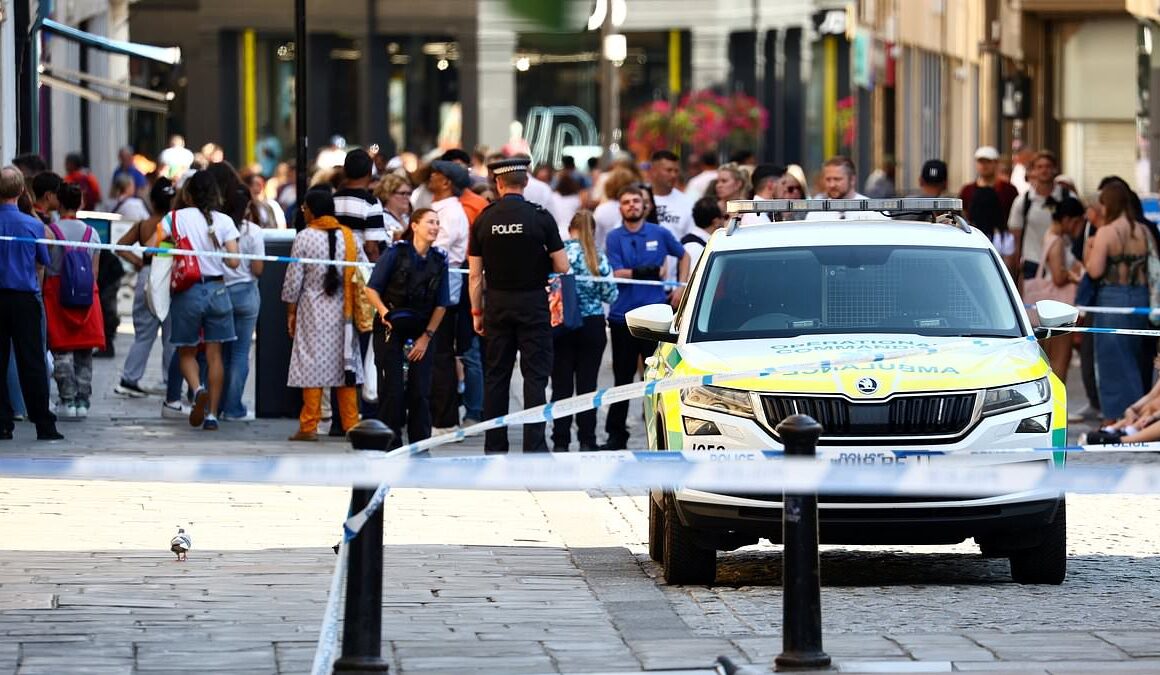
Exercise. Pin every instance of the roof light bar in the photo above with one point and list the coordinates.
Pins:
(908, 204)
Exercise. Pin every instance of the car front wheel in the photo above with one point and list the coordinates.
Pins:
(1045, 563)
(684, 561)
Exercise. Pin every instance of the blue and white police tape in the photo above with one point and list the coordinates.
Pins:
(1142, 332)
(325, 651)
(730, 472)
(1146, 311)
(140, 250)
(602, 397)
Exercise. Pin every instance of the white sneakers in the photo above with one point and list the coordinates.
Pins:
(66, 410)
(173, 410)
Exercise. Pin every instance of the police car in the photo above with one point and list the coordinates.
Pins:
(809, 295)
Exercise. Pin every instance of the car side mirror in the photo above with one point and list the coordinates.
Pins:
(652, 322)
(1054, 314)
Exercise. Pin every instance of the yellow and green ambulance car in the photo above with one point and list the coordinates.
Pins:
(950, 364)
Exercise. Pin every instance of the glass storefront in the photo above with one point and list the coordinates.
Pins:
(558, 87)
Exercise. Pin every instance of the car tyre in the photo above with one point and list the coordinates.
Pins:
(685, 563)
(1045, 563)
(656, 531)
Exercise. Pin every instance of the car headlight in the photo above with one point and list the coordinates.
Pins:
(1013, 397)
(718, 399)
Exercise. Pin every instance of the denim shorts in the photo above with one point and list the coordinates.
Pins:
(202, 314)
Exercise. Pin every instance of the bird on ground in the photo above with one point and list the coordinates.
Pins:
(725, 666)
(181, 543)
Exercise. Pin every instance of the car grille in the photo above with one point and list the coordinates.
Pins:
(942, 415)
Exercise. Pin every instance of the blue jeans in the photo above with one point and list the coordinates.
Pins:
(1123, 369)
(473, 381)
(15, 396)
(236, 355)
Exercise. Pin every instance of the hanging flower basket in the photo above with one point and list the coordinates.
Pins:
(703, 120)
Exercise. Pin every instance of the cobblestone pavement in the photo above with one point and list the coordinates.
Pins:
(509, 582)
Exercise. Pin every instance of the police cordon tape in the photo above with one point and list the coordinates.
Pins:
(324, 652)
(717, 471)
(140, 250)
(602, 397)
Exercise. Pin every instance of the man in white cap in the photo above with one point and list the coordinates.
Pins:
(987, 200)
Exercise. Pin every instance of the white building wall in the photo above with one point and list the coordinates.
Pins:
(64, 119)
(7, 85)
(108, 123)
(1097, 101)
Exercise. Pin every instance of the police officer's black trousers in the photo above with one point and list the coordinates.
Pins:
(403, 401)
(516, 320)
(627, 351)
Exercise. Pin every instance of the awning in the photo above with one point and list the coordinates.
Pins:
(170, 55)
(81, 84)
(97, 97)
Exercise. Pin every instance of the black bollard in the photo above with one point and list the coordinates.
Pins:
(801, 629)
(363, 616)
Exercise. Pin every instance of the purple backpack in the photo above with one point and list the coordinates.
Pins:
(76, 272)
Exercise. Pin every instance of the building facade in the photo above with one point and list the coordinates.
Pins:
(421, 75)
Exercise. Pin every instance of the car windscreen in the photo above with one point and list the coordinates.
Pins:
(786, 292)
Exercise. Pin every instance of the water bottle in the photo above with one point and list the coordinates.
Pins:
(407, 347)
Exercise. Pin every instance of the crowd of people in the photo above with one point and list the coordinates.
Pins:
(427, 346)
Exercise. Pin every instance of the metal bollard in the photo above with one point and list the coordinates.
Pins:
(363, 615)
(801, 630)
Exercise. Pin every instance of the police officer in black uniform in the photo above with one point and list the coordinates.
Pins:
(514, 245)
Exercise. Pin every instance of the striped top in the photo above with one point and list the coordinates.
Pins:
(361, 211)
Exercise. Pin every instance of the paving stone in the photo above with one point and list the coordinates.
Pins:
(1048, 647)
(681, 652)
(1140, 644)
(936, 647)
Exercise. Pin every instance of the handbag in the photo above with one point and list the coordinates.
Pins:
(370, 385)
(186, 269)
(1042, 286)
(157, 282)
(362, 311)
(564, 304)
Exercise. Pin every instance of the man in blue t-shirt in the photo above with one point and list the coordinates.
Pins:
(21, 264)
(636, 250)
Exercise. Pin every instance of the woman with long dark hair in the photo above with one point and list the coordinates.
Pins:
(1116, 259)
(410, 291)
(320, 316)
(202, 313)
(242, 284)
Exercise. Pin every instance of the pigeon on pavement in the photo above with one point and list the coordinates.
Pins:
(181, 543)
(725, 666)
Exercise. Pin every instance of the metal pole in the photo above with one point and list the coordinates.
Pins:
(801, 630)
(363, 615)
(300, 95)
(366, 79)
(610, 90)
(25, 84)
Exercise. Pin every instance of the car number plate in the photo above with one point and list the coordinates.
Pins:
(873, 457)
